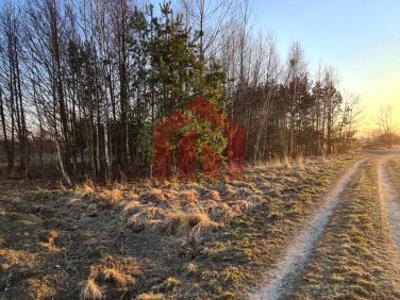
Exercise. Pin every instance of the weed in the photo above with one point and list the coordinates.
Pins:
(120, 280)
(191, 268)
(131, 205)
(113, 196)
(86, 188)
(189, 196)
(193, 223)
(91, 291)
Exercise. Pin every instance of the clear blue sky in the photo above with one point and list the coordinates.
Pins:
(359, 38)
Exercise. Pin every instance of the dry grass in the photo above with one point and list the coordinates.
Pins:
(251, 219)
(276, 163)
(191, 268)
(213, 196)
(300, 162)
(286, 162)
(36, 289)
(194, 224)
(87, 188)
(157, 196)
(113, 196)
(50, 242)
(109, 195)
(168, 285)
(189, 196)
(130, 206)
(172, 282)
(114, 274)
(148, 217)
(216, 239)
(11, 258)
(91, 291)
(150, 296)
(118, 278)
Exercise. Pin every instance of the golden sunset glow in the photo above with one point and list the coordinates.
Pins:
(359, 38)
(380, 93)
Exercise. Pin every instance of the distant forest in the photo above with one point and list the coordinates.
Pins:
(86, 82)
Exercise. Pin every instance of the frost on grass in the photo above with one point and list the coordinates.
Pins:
(192, 210)
(224, 232)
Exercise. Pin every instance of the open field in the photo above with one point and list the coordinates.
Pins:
(174, 240)
(299, 230)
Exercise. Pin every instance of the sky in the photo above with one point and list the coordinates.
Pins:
(360, 39)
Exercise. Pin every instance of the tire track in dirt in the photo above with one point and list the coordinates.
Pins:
(283, 274)
(389, 199)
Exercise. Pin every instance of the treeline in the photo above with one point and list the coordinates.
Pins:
(89, 80)
(378, 141)
(386, 136)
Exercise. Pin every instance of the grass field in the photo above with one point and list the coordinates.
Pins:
(145, 240)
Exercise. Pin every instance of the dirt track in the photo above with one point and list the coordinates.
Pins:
(390, 201)
(298, 252)
(287, 276)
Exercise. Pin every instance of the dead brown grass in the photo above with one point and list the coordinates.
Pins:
(216, 239)
(50, 243)
(300, 162)
(114, 274)
(118, 278)
(151, 296)
(11, 258)
(156, 195)
(286, 162)
(189, 196)
(87, 188)
(213, 196)
(112, 197)
(131, 205)
(91, 291)
(36, 289)
(148, 217)
(278, 197)
(191, 268)
(194, 224)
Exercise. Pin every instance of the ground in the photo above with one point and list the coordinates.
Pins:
(224, 240)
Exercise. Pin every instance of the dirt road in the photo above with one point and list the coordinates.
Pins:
(358, 229)
(298, 252)
(390, 201)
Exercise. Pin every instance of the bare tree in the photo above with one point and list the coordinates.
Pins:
(386, 124)
(91, 79)
(209, 18)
